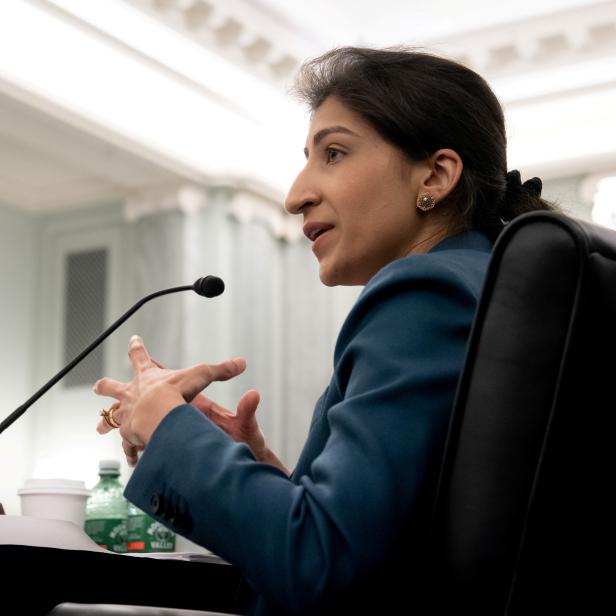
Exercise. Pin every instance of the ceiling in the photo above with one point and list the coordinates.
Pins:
(47, 160)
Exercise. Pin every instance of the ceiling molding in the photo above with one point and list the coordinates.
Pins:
(531, 44)
(184, 197)
(149, 108)
(243, 204)
(256, 37)
(46, 163)
(247, 206)
(260, 37)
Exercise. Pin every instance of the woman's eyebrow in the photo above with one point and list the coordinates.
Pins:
(318, 136)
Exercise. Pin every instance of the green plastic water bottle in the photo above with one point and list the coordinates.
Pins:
(107, 509)
(146, 534)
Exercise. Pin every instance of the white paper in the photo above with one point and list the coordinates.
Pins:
(44, 533)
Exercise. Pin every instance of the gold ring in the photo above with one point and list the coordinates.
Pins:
(108, 415)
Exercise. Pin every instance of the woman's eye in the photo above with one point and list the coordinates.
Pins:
(332, 155)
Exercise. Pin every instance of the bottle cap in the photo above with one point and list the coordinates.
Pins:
(109, 467)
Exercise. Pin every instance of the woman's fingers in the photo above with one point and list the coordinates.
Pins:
(247, 406)
(130, 451)
(163, 387)
(195, 379)
(110, 388)
(103, 425)
(210, 408)
(138, 354)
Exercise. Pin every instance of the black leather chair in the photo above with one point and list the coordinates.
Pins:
(520, 518)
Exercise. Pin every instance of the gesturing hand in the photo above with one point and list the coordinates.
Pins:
(242, 425)
(154, 392)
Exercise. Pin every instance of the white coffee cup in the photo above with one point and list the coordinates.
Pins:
(56, 499)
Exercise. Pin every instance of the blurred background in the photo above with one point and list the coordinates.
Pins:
(146, 143)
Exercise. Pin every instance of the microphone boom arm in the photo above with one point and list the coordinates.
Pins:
(20, 410)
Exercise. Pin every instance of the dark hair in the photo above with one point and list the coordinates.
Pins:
(420, 103)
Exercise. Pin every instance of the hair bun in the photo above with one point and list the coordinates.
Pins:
(532, 187)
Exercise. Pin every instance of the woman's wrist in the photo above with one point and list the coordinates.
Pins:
(269, 457)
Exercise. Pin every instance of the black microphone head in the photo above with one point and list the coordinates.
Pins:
(209, 286)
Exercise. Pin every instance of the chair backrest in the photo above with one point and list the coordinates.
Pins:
(520, 524)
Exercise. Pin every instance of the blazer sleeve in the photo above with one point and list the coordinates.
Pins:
(397, 362)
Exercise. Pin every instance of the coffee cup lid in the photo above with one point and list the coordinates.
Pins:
(55, 485)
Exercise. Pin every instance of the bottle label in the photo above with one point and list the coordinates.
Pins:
(148, 535)
(108, 533)
(161, 538)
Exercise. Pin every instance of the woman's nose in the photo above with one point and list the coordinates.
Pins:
(300, 195)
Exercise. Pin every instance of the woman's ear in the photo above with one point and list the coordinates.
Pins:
(445, 169)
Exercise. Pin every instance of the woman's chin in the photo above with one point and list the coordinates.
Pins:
(335, 277)
(327, 275)
(328, 281)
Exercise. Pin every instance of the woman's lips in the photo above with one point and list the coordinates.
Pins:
(315, 231)
(316, 245)
(312, 230)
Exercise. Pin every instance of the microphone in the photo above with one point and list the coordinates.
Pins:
(208, 286)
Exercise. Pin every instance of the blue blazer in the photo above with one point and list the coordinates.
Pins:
(346, 531)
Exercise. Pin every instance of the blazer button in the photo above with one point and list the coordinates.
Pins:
(158, 504)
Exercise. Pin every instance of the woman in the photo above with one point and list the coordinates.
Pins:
(404, 189)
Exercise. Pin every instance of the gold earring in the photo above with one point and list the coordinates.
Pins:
(425, 202)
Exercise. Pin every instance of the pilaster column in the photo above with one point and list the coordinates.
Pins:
(161, 259)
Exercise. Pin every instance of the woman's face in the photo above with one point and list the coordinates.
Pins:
(357, 194)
